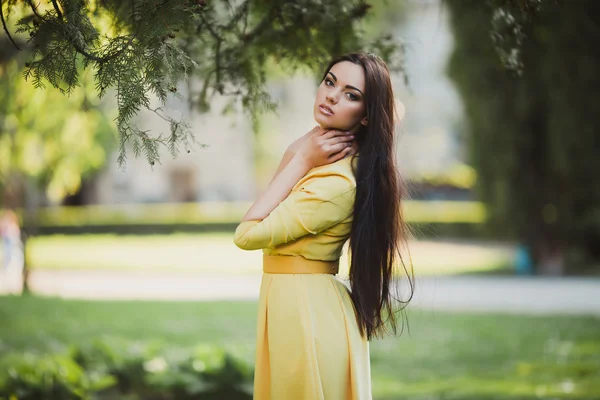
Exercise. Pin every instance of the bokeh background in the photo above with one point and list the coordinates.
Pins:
(124, 282)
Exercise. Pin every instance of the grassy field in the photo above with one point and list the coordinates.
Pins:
(443, 356)
(216, 253)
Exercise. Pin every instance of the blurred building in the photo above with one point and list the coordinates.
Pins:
(220, 171)
(431, 141)
(235, 166)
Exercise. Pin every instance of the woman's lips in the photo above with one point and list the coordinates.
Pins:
(325, 110)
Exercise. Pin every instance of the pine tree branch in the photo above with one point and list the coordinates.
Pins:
(239, 13)
(156, 111)
(6, 29)
(77, 47)
(219, 40)
(34, 9)
(57, 10)
(262, 25)
(210, 28)
(156, 47)
(118, 52)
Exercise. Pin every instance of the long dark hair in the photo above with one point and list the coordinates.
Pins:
(379, 235)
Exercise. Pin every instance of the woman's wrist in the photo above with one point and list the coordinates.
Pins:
(301, 161)
(293, 148)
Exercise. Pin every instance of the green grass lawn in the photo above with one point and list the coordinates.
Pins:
(216, 253)
(444, 356)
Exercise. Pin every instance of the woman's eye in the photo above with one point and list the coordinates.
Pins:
(352, 96)
(328, 82)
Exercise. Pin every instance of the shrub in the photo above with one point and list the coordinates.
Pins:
(126, 370)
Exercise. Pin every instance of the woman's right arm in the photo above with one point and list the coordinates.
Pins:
(287, 156)
(278, 216)
(324, 199)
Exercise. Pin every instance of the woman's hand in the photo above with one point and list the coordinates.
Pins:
(293, 148)
(324, 147)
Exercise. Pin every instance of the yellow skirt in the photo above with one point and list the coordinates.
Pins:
(308, 343)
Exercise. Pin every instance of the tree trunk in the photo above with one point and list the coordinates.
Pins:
(30, 225)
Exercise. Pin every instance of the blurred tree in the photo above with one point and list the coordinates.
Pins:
(48, 141)
(139, 47)
(533, 128)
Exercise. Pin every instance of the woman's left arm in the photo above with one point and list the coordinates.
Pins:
(317, 149)
(279, 188)
(287, 157)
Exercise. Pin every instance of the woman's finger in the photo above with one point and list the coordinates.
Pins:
(336, 134)
(333, 133)
(339, 155)
(328, 134)
(338, 147)
(340, 139)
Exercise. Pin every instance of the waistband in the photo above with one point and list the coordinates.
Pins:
(298, 265)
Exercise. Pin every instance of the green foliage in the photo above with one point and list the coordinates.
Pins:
(533, 134)
(131, 370)
(510, 22)
(221, 213)
(143, 47)
(33, 377)
(442, 355)
(49, 138)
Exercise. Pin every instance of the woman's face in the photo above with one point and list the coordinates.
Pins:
(340, 101)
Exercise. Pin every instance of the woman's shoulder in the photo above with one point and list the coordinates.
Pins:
(333, 179)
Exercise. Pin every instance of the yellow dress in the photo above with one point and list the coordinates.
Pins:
(308, 345)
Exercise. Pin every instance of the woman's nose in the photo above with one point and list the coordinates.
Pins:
(331, 97)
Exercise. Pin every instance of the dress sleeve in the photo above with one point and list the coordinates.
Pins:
(319, 203)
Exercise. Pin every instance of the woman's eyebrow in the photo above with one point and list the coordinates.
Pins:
(352, 87)
(348, 86)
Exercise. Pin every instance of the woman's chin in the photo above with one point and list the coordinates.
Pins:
(325, 122)
(321, 120)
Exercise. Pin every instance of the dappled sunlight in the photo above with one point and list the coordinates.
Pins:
(134, 139)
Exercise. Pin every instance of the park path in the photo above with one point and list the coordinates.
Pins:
(538, 295)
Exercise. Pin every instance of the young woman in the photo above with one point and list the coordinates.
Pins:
(337, 182)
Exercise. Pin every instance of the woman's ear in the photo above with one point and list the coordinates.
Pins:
(364, 121)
